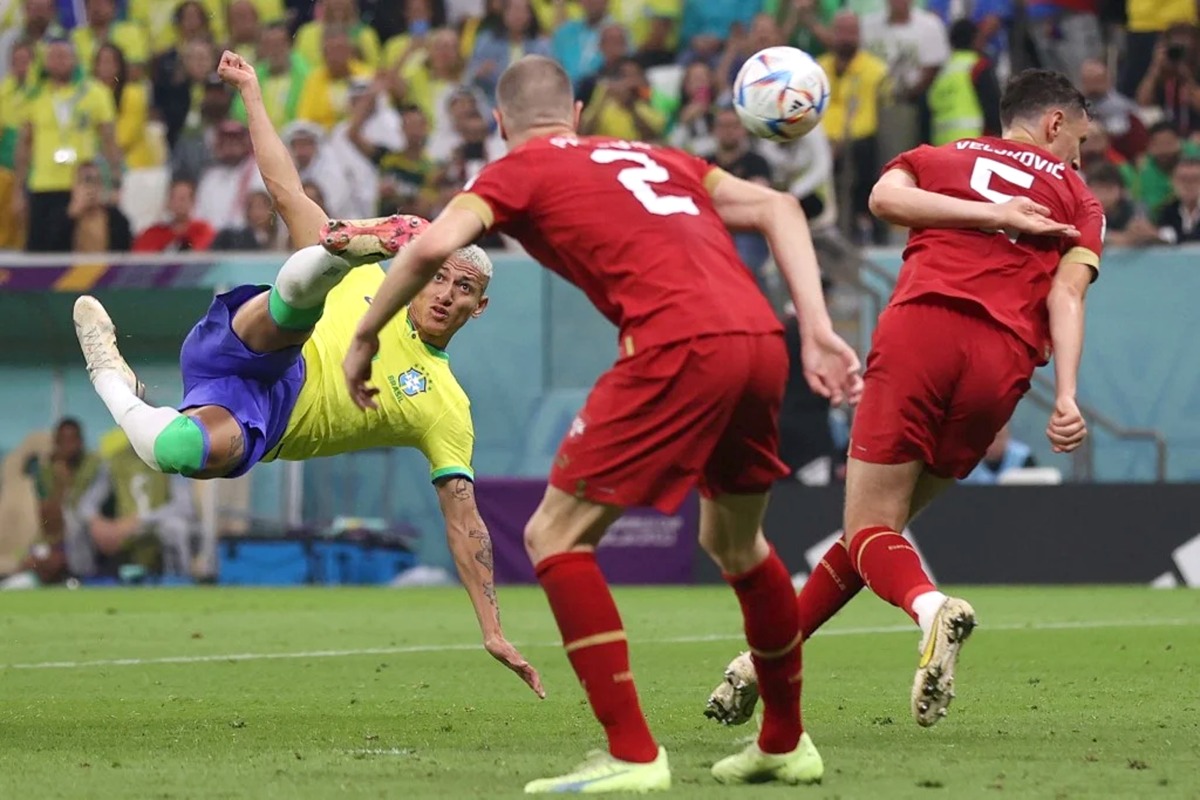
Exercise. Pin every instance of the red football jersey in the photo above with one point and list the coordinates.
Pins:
(1009, 278)
(633, 226)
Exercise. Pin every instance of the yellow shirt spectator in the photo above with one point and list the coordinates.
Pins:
(158, 18)
(1148, 16)
(326, 100)
(605, 116)
(14, 96)
(140, 148)
(130, 37)
(857, 92)
(64, 122)
(312, 34)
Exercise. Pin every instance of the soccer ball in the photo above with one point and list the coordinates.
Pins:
(781, 93)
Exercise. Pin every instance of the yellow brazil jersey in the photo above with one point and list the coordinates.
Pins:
(854, 96)
(420, 403)
(157, 17)
(325, 100)
(130, 37)
(65, 122)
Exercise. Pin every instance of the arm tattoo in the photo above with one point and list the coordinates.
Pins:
(462, 491)
(237, 447)
(485, 559)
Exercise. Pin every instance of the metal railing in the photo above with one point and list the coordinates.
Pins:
(847, 263)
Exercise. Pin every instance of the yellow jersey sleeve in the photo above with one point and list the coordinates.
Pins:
(450, 444)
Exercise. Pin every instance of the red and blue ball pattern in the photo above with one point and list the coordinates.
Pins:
(781, 93)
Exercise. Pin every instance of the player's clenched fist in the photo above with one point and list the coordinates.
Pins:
(1067, 429)
(236, 71)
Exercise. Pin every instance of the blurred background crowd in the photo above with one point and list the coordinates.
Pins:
(116, 134)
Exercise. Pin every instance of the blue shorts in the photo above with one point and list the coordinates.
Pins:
(258, 389)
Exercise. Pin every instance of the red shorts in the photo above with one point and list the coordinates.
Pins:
(942, 379)
(660, 421)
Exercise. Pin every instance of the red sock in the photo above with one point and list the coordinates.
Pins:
(832, 584)
(890, 566)
(773, 632)
(596, 646)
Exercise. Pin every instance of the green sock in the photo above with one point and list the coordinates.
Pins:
(289, 317)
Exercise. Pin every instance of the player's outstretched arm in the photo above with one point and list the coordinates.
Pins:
(897, 199)
(830, 365)
(302, 216)
(471, 546)
(1066, 304)
(412, 268)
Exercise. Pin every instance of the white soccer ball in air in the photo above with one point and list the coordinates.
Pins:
(781, 93)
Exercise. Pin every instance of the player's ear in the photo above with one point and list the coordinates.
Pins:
(479, 309)
(496, 115)
(1056, 119)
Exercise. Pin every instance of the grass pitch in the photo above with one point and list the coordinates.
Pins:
(218, 693)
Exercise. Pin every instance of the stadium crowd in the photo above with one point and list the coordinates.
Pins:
(117, 134)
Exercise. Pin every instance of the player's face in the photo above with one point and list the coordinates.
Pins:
(449, 301)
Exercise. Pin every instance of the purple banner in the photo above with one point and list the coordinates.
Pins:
(643, 547)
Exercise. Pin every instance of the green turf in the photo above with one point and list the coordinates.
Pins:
(1106, 711)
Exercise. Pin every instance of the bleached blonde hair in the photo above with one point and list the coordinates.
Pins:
(474, 256)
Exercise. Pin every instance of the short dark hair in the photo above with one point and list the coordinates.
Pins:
(1186, 161)
(962, 34)
(1104, 174)
(1033, 92)
(1162, 126)
(69, 422)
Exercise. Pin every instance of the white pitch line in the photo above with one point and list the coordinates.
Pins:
(447, 648)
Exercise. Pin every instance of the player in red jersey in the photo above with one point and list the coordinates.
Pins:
(1005, 240)
(693, 397)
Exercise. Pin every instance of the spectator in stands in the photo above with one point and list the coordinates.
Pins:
(707, 24)
(245, 29)
(1115, 112)
(991, 19)
(469, 157)
(764, 32)
(13, 99)
(193, 150)
(103, 28)
(97, 225)
(359, 176)
(622, 109)
(150, 524)
(408, 177)
(1147, 21)
(419, 20)
(1179, 220)
(1097, 150)
(1003, 455)
(281, 73)
(262, 230)
(1126, 225)
(657, 47)
(181, 232)
(964, 98)
(614, 48)
(312, 192)
(807, 23)
(224, 184)
(1065, 33)
(307, 144)
(62, 480)
(342, 15)
(858, 83)
(429, 82)
(67, 123)
(40, 26)
(576, 43)
(326, 96)
(179, 82)
(1171, 81)
(913, 44)
(463, 107)
(691, 115)
(131, 97)
(1156, 167)
(732, 152)
(495, 51)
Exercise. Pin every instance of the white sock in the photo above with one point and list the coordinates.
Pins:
(308, 275)
(926, 606)
(141, 422)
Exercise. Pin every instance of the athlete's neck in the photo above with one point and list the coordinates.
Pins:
(515, 140)
(440, 342)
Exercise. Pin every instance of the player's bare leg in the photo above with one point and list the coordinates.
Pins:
(561, 538)
(731, 533)
(878, 498)
(833, 584)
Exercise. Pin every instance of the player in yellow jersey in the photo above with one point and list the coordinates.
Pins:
(262, 370)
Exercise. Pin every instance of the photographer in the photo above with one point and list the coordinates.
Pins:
(1171, 80)
(621, 108)
(97, 226)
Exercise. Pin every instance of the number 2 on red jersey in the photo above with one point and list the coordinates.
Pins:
(637, 180)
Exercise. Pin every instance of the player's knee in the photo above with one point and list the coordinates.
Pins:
(537, 538)
(736, 554)
(181, 448)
